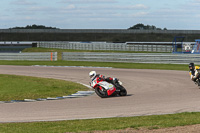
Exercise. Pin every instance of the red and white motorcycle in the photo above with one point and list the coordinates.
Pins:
(104, 89)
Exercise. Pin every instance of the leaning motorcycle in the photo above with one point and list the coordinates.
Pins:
(104, 89)
(197, 82)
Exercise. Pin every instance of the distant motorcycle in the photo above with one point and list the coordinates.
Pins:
(104, 89)
(197, 82)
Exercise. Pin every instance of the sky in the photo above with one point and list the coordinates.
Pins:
(101, 14)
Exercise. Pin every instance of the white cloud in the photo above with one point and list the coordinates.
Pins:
(88, 1)
(103, 8)
(196, 1)
(35, 10)
(23, 2)
(114, 7)
(94, 11)
(139, 14)
(70, 7)
(128, 7)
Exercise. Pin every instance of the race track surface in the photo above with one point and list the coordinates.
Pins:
(149, 92)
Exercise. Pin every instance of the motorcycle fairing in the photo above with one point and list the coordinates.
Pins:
(106, 85)
(109, 87)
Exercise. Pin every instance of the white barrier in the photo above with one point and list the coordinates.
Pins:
(132, 57)
(36, 56)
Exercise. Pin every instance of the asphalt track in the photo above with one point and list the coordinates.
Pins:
(150, 92)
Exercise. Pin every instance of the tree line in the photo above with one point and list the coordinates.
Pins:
(34, 26)
(138, 26)
(141, 26)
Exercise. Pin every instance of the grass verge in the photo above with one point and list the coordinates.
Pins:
(100, 64)
(149, 122)
(25, 87)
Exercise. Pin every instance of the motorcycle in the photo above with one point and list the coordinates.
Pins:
(105, 89)
(197, 82)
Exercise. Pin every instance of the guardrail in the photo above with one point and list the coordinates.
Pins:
(106, 46)
(36, 56)
(132, 57)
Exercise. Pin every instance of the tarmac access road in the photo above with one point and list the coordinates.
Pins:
(150, 92)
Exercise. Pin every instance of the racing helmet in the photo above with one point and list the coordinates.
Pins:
(92, 74)
(191, 66)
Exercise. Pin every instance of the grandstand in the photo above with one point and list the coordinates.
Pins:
(196, 48)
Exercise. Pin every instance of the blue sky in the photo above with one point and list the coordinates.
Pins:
(101, 14)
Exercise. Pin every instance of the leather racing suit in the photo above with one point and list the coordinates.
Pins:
(194, 74)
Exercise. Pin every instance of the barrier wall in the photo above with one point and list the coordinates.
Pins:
(132, 57)
(36, 56)
(106, 46)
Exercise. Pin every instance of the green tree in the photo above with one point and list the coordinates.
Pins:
(138, 26)
(34, 26)
(145, 27)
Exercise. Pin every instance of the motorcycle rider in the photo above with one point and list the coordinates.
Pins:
(193, 72)
(93, 75)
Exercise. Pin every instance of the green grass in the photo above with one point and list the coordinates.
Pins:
(24, 87)
(100, 64)
(149, 122)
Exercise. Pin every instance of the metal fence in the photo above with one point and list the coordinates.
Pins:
(37, 56)
(106, 46)
(132, 57)
(166, 58)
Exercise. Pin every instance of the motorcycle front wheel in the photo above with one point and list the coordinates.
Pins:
(100, 93)
(123, 91)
